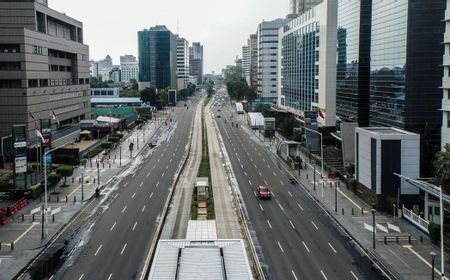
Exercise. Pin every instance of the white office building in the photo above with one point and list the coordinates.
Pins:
(267, 83)
(299, 7)
(182, 63)
(129, 67)
(246, 63)
(446, 81)
(307, 64)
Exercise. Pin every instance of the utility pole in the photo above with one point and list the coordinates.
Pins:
(43, 220)
(335, 196)
(374, 227)
(98, 173)
(314, 175)
(82, 187)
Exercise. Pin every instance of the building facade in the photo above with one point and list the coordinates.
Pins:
(44, 67)
(157, 58)
(446, 80)
(246, 63)
(307, 64)
(129, 68)
(267, 82)
(405, 80)
(298, 7)
(182, 63)
(353, 61)
(253, 51)
(196, 62)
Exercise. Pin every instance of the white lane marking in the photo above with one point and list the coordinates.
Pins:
(242, 167)
(264, 160)
(109, 278)
(113, 226)
(293, 274)
(260, 174)
(268, 166)
(260, 206)
(159, 160)
(281, 248)
(292, 224)
(123, 249)
(134, 174)
(314, 225)
(171, 160)
(299, 206)
(173, 154)
(153, 168)
(163, 174)
(157, 184)
(255, 194)
(281, 182)
(306, 247)
(353, 274)
(332, 248)
(81, 277)
(323, 274)
(148, 175)
(141, 184)
(265, 182)
(143, 208)
(268, 222)
(98, 250)
(116, 195)
(135, 224)
(167, 167)
(151, 195)
(124, 208)
(133, 195)
(274, 174)
(249, 182)
(245, 173)
(290, 194)
(126, 184)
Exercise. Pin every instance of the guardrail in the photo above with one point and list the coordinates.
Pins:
(415, 219)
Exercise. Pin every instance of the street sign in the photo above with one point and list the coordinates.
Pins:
(21, 165)
(48, 159)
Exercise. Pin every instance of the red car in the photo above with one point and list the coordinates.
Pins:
(263, 192)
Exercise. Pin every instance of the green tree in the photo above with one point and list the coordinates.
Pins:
(130, 93)
(134, 84)
(442, 168)
(65, 171)
(54, 178)
(98, 83)
(263, 109)
(162, 99)
(148, 95)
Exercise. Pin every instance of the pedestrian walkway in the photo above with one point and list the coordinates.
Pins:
(24, 236)
(399, 245)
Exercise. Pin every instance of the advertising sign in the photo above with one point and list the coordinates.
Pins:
(48, 159)
(46, 130)
(20, 164)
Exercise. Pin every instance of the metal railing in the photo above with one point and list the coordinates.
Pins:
(415, 219)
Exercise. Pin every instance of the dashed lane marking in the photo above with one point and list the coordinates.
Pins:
(151, 195)
(81, 277)
(268, 222)
(353, 274)
(134, 194)
(109, 278)
(124, 208)
(135, 224)
(306, 247)
(123, 249)
(332, 248)
(281, 248)
(299, 206)
(141, 184)
(324, 276)
(292, 225)
(143, 209)
(113, 226)
(293, 274)
(290, 194)
(98, 250)
(260, 206)
(314, 225)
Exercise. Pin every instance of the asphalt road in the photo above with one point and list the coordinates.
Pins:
(298, 240)
(121, 236)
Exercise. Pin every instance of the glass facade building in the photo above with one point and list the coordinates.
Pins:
(353, 61)
(157, 57)
(406, 51)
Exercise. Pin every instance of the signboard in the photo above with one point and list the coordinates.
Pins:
(20, 164)
(310, 118)
(312, 139)
(46, 130)
(18, 145)
(48, 159)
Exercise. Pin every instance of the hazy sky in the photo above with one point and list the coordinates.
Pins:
(223, 26)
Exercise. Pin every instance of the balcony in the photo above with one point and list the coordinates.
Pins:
(446, 60)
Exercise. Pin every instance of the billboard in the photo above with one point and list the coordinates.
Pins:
(20, 164)
(312, 139)
(20, 148)
(46, 130)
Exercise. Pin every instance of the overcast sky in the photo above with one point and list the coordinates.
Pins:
(223, 26)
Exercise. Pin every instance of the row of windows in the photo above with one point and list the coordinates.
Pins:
(35, 83)
(59, 68)
(10, 66)
(9, 48)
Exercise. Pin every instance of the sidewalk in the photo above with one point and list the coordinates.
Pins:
(410, 260)
(66, 202)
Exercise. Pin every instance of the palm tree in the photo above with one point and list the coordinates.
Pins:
(442, 168)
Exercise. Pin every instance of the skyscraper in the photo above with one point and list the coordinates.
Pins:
(446, 84)
(253, 50)
(129, 68)
(298, 7)
(268, 59)
(157, 58)
(246, 63)
(182, 63)
(406, 50)
(44, 68)
(196, 62)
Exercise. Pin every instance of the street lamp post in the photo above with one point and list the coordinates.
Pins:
(433, 257)
(374, 229)
(441, 206)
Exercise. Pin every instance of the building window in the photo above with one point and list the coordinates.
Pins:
(9, 66)
(9, 48)
(10, 83)
(33, 83)
(43, 83)
(37, 50)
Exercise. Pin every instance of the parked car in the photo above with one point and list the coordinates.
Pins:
(263, 192)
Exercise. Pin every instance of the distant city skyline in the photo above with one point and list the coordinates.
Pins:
(221, 26)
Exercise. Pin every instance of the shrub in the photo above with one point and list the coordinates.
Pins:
(352, 184)
(5, 184)
(65, 171)
(65, 159)
(114, 139)
(97, 150)
(118, 135)
(106, 145)
(37, 190)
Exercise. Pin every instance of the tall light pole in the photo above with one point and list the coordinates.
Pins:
(374, 228)
(441, 205)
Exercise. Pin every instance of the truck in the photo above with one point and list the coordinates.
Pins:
(239, 108)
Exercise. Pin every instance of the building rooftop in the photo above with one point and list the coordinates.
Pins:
(186, 260)
(116, 100)
(386, 131)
